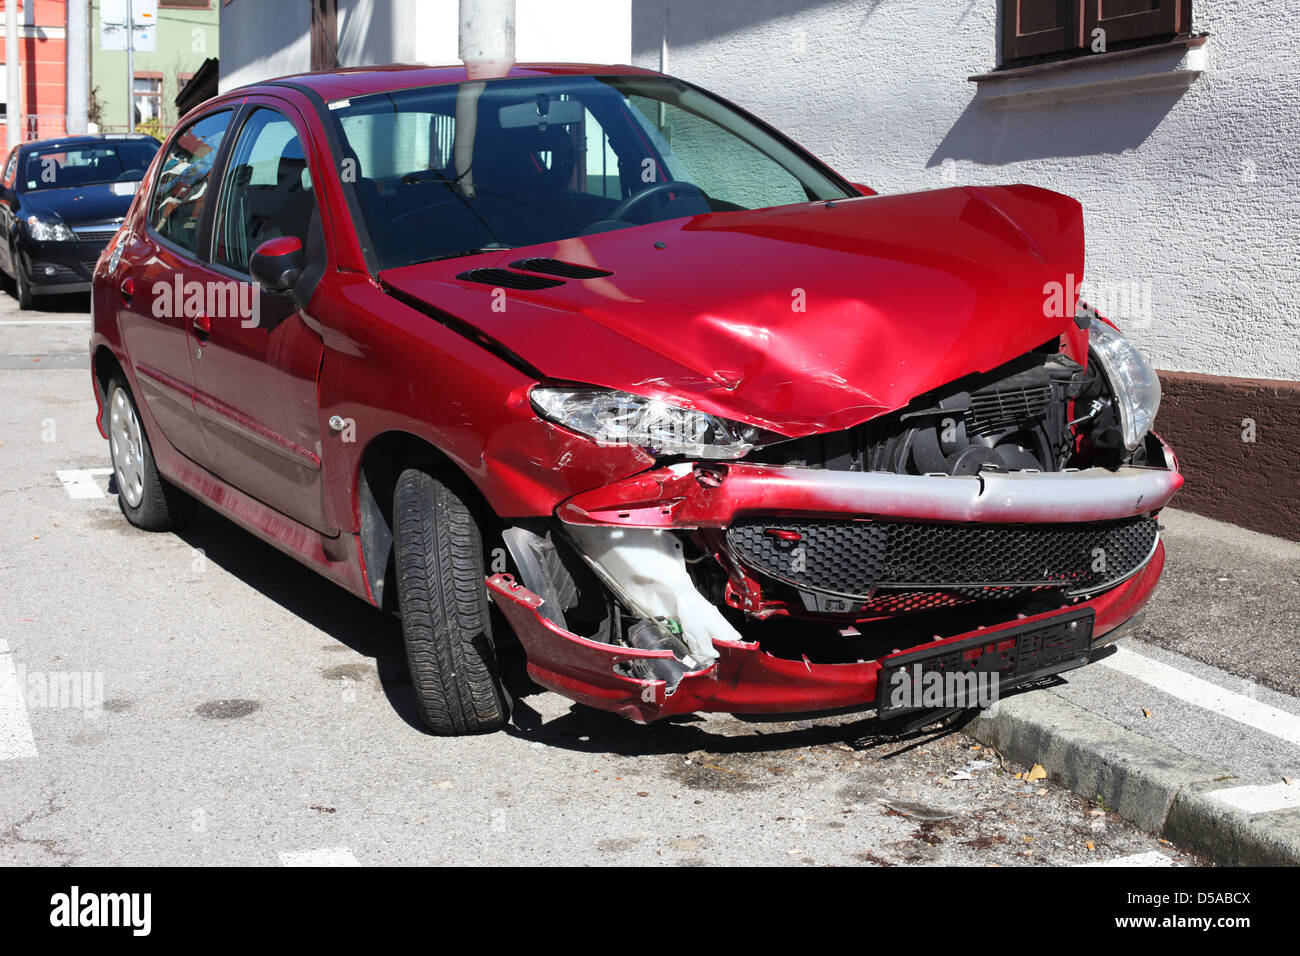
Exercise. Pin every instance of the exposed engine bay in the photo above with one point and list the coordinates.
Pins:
(1040, 412)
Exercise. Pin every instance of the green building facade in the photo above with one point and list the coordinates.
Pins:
(187, 35)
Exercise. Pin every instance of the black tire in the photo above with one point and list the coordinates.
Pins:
(22, 285)
(438, 552)
(162, 506)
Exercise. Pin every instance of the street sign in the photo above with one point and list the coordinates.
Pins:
(112, 25)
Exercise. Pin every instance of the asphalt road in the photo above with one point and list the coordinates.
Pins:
(202, 699)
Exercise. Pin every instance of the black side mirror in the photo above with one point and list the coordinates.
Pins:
(277, 264)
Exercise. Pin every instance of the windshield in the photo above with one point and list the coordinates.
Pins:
(449, 170)
(59, 167)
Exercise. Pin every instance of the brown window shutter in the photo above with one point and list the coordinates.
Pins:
(1039, 27)
(1135, 19)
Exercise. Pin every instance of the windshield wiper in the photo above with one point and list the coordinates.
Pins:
(467, 252)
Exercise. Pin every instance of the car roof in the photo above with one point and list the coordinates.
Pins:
(333, 85)
(89, 139)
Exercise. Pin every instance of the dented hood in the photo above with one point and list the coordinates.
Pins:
(799, 318)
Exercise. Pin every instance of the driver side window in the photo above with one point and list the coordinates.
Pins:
(267, 190)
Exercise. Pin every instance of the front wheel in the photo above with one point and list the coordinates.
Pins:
(22, 285)
(438, 550)
(147, 499)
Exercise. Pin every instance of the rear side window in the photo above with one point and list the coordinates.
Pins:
(182, 187)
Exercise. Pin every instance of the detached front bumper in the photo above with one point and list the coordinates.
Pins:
(710, 498)
(745, 679)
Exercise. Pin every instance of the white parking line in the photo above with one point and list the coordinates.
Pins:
(1152, 858)
(44, 321)
(1278, 796)
(330, 856)
(1202, 693)
(82, 483)
(16, 738)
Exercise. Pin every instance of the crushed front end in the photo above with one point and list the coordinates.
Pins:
(1005, 522)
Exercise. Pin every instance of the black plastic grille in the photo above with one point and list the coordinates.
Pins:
(61, 273)
(994, 411)
(852, 558)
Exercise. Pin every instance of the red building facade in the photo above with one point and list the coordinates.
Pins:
(38, 109)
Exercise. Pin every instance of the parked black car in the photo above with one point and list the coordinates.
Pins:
(61, 200)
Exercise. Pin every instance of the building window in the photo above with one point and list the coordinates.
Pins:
(147, 98)
(1040, 29)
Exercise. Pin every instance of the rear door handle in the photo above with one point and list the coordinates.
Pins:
(127, 288)
(202, 326)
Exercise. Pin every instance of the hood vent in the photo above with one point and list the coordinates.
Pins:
(507, 279)
(557, 267)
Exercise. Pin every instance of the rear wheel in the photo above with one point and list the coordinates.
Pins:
(147, 499)
(438, 551)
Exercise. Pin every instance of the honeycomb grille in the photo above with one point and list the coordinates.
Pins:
(852, 558)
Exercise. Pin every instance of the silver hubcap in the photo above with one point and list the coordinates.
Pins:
(126, 441)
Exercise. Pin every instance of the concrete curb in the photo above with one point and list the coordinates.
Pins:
(1160, 789)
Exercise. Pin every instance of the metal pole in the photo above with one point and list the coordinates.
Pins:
(487, 37)
(130, 67)
(487, 47)
(78, 68)
(13, 80)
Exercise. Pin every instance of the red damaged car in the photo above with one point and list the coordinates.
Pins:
(714, 428)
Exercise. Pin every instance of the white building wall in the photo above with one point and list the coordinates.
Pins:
(1191, 198)
(257, 45)
(1190, 195)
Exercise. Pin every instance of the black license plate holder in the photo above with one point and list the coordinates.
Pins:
(1018, 655)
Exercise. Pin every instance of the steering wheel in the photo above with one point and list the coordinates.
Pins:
(637, 200)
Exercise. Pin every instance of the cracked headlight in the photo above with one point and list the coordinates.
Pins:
(1132, 380)
(48, 230)
(621, 418)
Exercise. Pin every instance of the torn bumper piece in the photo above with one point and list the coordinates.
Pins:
(709, 496)
(744, 678)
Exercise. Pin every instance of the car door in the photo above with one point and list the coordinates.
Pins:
(9, 208)
(257, 355)
(159, 260)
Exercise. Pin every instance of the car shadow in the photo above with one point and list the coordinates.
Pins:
(365, 629)
(377, 635)
(62, 302)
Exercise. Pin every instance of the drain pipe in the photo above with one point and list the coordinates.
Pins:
(487, 48)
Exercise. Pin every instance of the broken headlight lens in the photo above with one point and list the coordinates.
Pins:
(1132, 380)
(621, 418)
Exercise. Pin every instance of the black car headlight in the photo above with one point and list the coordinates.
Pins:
(1132, 381)
(48, 230)
(621, 418)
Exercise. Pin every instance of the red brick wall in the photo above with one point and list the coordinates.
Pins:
(1210, 420)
